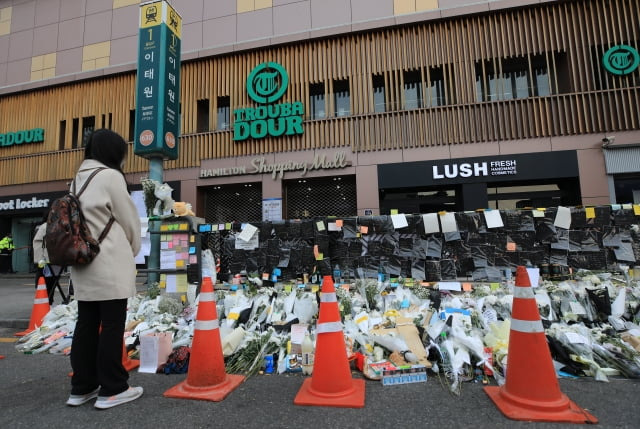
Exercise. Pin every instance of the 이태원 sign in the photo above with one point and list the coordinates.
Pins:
(158, 82)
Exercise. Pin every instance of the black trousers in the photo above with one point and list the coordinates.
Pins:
(96, 350)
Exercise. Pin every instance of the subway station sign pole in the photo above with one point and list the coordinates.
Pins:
(157, 124)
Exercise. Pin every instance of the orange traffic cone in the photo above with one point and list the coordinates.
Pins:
(128, 363)
(331, 384)
(206, 377)
(532, 391)
(40, 308)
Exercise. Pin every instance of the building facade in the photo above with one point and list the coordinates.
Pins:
(303, 108)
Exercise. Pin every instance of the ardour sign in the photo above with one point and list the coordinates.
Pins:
(33, 135)
(266, 84)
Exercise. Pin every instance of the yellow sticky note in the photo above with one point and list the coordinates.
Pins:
(364, 229)
(233, 316)
(179, 263)
(319, 256)
(181, 283)
(164, 227)
(495, 286)
(339, 222)
(227, 226)
(315, 288)
(466, 287)
(183, 227)
(287, 288)
(636, 209)
(511, 246)
(394, 211)
(192, 239)
(183, 298)
(590, 212)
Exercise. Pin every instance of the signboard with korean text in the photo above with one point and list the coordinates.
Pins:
(158, 83)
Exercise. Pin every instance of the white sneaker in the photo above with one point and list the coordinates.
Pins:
(128, 395)
(75, 400)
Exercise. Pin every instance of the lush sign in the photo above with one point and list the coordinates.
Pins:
(33, 135)
(158, 83)
(266, 84)
(621, 60)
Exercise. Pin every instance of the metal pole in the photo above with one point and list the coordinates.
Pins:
(155, 173)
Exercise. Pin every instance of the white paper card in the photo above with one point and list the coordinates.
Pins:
(431, 224)
(455, 286)
(171, 285)
(144, 226)
(320, 225)
(448, 221)
(534, 276)
(297, 332)
(253, 243)
(537, 213)
(576, 338)
(168, 260)
(490, 316)
(247, 232)
(149, 347)
(399, 221)
(332, 226)
(493, 218)
(563, 217)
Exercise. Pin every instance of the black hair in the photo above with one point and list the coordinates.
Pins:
(107, 147)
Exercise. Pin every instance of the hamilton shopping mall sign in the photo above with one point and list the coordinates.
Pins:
(266, 84)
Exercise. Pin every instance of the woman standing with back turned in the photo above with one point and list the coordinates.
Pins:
(103, 286)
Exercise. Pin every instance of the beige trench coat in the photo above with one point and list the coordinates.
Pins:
(112, 274)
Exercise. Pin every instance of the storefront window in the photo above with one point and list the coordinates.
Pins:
(341, 97)
(241, 202)
(379, 104)
(509, 197)
(316, 101)
(327, 196)
(202, 120)
(436, 90)
(223, 112)
(412, 89)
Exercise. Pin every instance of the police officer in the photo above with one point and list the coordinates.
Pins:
(6, 249)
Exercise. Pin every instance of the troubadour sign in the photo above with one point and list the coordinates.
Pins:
(266, 84)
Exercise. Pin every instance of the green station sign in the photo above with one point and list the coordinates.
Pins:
(34, 135)
(621, 60)
(266, 84)
(158, 82)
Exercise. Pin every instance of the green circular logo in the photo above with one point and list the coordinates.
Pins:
(621, 60)
(267, 82)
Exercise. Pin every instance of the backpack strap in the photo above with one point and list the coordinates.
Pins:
(86, 182)
(107, 227)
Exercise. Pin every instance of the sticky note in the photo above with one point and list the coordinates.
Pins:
(320, 225)
(287, 287)
(345, 287)
(233, 316)
(636, 209)
(265, 276)
(277, 271)
(538, 213)
(227, 226)
(466, 287)
(183, 227)
(192, 250)
(192, 239)
(394, 211)
(339, 222)
(315, 288)
(319, 257)
(364, 229)
(179, 263)
(494, 286)
(511, 246)
(590, 212)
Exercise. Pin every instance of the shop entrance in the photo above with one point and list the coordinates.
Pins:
(326, 196)
(239, 202)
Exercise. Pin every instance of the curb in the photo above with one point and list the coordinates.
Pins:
(14, 323)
